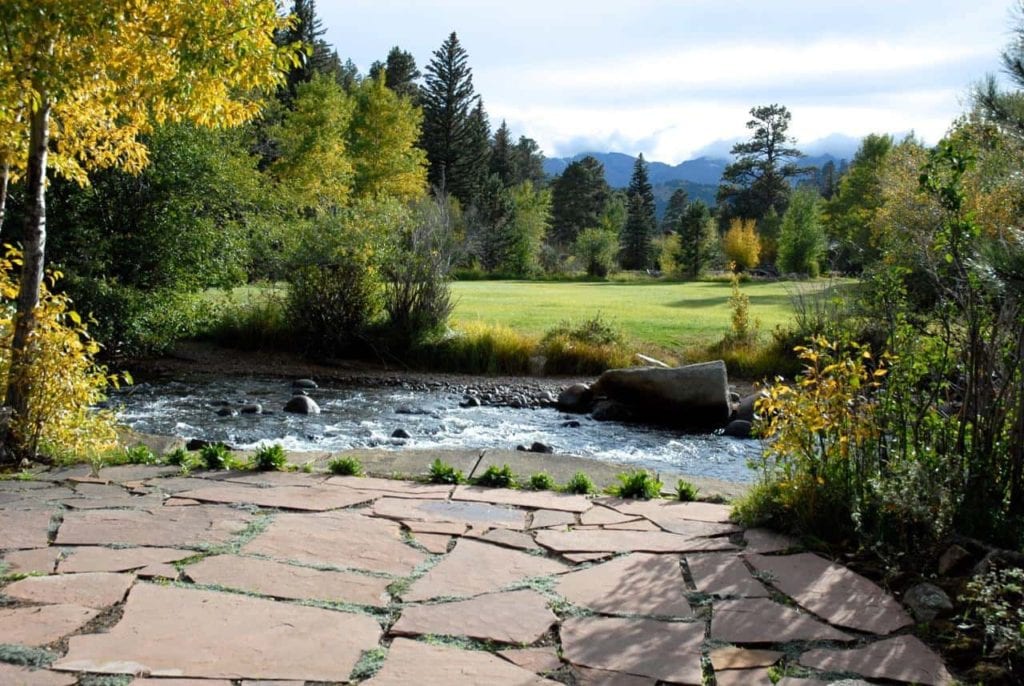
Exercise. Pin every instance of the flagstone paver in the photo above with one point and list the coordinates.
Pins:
(477, 514)
(669, 651)
(505, 537)
(413, 662)
(833, 592)
(165, 527)
(194, 682)
(671, 510)
(436, 544)
(158, 571)
(541, 500)
(609, 541)
(638, 584)
(223, 636)
(543, 519)
(450, 528)
(289, 581)
(36, 626)
(586, 557)
(537, 660)
(309, 498)
(338, 539)
(743, 677)
(92, 589)
(33, 560)
(473, 568)
(98, 559)
(741, 658)
(761, 621)
(392, 487)
(599, 515)
(23, 676)
(765, 541)
(24, 528)
(724, 574)
(637, 525)
(586, 676)
(520, 617)
(903, 658)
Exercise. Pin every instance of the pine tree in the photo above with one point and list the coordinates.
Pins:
(528, 162)
(697, 235)
(578, 199)
(502, 163)
(677, 205)
(317, 56)
(640, 220)
(401, 73)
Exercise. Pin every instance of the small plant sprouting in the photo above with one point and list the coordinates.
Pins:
(443, 473)
(269, 458)
(140, 454)
(497, 477)
(542, 481)
(685, 491)
(580, 483)
(215, 456)
(639, 484)
(345, 466)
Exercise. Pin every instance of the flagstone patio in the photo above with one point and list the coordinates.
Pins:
(288, 578)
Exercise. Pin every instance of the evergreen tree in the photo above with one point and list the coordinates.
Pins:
(802, 238)
(401, 73)
(578, 199)
(528, 162)
(317, 57)
(502, 163)
(1006, 108)
(640, 220)
(677, 205)
(697, 236)
(851, 213)
(451, 129)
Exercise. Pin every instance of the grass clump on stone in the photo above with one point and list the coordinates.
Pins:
(25, 656)
(345, 465)
(269, 458)
(580, 484)
(215, 456)
(497, 477)
(443, 473)
(686, 491)
(541, 481)
(369, 664)
(639, 484)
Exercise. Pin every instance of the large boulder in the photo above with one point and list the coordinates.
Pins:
(302, 404)
(577, 398)
(692, 397)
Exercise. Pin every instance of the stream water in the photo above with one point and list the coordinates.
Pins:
(366, 417)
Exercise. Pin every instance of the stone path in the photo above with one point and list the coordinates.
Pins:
(233, 578)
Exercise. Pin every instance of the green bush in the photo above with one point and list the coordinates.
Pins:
(996, 600)
(257, 323)
(140, 454)
(541, 481)
(497, 477)
(333, 303)
(686, 491)
(588, 347)
(269, 458)
(580, 484)
(443, 473)
(178, 457)
(215, 456)
(479, 349)
(345, 465)
(639, 484)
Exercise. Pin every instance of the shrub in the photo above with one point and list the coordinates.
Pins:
(596, 250)
(580, 483)
(802, 237)
(639, 484)
(255, 323)
(497, 477)
(178, 457)
(269, 458)
(480, 349)
(996, 599)
(333, 303)
(443, 473)
(686, 491)
(346, 465)
(215, 456)
(140, 454)
(741, 244)
(588, 347)
(541, 481)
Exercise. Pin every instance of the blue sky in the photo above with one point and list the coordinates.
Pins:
(675, 79)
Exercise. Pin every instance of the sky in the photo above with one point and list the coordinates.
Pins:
(676, 79)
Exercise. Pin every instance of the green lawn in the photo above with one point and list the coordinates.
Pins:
(669, 315)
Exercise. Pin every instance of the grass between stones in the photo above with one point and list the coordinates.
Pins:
(25, 656)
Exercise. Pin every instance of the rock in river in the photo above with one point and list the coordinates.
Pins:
(302, 404)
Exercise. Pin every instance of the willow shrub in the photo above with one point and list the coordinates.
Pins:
(63, 378)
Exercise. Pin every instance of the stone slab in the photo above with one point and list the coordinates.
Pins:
(667, 651)
(903, 658)
(833, 592)
(767, 541)
(761, 621)
(743, 677)
(473, 568)
(268, 640)
(162, 527)
(585, 676)
(159, 571)
(671, 510)
(20, 529)
(536, 660)
(605, 541)
(724, 574)
(338, 539)
(98, 559)
(599, 515)
(23, 676)
(93, 589)
(476, 514)
(539, 500)
(585, 557)
(37, 626)
(413, 662)
(543, 519)
(394, 488)
(410, 462)
(449, 528)
(436, 544)
(275, 478)
(741, 658)
(636, 584)
(289, 581)
(520, 617)
(505, 537)
(32, 561)
(306, 498)
(137, 472)
(637, 525)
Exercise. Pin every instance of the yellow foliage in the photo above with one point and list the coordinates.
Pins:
(741, 243)
(63, 379)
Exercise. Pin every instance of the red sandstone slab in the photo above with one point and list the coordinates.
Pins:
(667, 651)
(536, 660)
(186, 682)
(160, 571)
(306, 498)
(724, 574)
(505, 537)
(904, 658)
(34, 560)
(97, 559)
(289, 581)
(740, 658)
(766, 541)
(637, 584)
(36, 626)
(520, 617)
(23, 676)
(473, 568)
(671, 510)
(609, 541)
(743, 677)
(93, 589)
(585, 557)
(181, 502)
(449, 528)
(600, 515)
(268, 639)
(543, 519)
(338, 539)
(586, 676)
(274, 478)
(436, 544)
(394, 488)
(20, 529)
(638, 525)
(137, 472)
(412, 662)
(541, 500)
(761, 621)
(833, 592)
(465, 512)
(164, 527)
